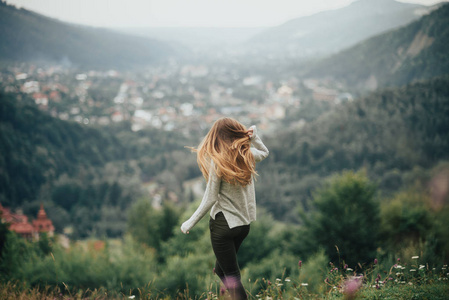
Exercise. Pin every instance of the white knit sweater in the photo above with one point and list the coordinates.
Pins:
(237, 203)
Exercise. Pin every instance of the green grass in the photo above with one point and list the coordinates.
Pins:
(280, 289)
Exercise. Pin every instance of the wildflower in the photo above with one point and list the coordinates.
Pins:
(397, 266)
(304, 284)
(375, 261)
(287, 279)
(377, 286)
(269, 282)
(349, 269)
(351, 287)
(415, 257)
(214, 271)
(345, 267)
(131, 297)
(300, 263)
(222, 290)
(278, 279)
(421, 267)
(412, 270)
(399, 260)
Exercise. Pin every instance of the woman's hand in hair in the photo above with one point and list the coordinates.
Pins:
(251, 131)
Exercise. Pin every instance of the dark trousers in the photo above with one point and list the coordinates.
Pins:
(226, 243)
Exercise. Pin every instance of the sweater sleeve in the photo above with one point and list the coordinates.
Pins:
(259, 150)
(209, 199)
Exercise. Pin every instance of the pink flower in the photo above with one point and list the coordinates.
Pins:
(375, 261)
(222, 290)
(351, 287)
(300, 263)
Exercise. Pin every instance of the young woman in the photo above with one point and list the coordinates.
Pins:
(227, 158)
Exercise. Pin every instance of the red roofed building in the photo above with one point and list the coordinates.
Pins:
(42, 223)
(19, 223)
(22, 227)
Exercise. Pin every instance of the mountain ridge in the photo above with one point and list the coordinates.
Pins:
(29, 36)
(416, 51)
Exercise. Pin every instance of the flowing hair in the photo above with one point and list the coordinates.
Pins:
(227, 144)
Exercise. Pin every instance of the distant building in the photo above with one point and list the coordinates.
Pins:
(19, 223)
(324, 94)
(30, 87)
(43, 223)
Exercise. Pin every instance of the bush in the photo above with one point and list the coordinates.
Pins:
(345, 219)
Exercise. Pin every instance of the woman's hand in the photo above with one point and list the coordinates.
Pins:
(183, 229)
(250, 131)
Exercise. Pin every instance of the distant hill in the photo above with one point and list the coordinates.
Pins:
(28, 36)
(330, 31)
(419, 50)
(202, 38)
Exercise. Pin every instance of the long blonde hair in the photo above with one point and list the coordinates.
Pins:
(227, 144)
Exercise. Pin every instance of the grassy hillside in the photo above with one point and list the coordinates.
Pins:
(28, 36)
(416, 51)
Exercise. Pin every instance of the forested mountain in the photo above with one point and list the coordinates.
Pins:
(83, 175)
(395, 134)
(416, 51)
(28, 36)
(333, 30)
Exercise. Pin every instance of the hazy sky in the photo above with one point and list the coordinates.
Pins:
(192, 13)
